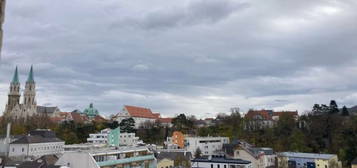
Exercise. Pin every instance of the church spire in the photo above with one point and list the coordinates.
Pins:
(30, 78)
(15, 79)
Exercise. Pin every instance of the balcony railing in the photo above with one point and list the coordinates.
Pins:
(126, 160)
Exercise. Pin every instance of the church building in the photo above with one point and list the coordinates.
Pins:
(15, 110)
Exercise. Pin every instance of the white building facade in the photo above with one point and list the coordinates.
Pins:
(35, 149)
(220, 162)
(36, 144)
(125, 139)
(207, 145)
(139, 114)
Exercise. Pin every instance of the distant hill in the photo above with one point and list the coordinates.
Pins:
(353, 110)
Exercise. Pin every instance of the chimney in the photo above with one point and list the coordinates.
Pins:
(8, 130)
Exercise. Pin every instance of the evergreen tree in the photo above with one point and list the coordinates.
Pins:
(333, 108)
(316, 109)
(127, 125)
(345, 111)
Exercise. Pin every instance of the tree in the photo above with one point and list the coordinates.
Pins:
(113, 125)
(198, 153)
(183, 123)
(345, 111)
(333, 108)
(127, 125)
(316, 109)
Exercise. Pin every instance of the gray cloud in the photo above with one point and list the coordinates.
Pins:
(189, 56)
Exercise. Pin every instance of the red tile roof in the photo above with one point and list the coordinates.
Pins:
(263, 113)
(56, 119)
(78, 118)
(293, 113)
(141, 112)
(156, 115)
(165, 120)
(99, 118)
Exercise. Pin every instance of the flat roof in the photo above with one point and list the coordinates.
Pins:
(97, 150)
(220, 160)
(307, 155)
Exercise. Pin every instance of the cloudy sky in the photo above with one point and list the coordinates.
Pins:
(197, 57)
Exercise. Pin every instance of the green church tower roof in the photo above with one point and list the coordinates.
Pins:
(30, 78)
(15, 79)
(91, 112)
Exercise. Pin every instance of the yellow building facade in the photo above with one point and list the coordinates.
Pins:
(165, 163)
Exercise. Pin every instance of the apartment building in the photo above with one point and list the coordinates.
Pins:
(207, 145)
(125, 139)
(307, 160)
(220, 162)
(96, 157)
(260, 157)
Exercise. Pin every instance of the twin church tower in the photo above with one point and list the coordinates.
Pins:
(28, 108)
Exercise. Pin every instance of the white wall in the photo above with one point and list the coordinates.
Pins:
(220, 165)
(18, 150)
(206, 148)
(37, 149)
(128, 139)
(77, 160)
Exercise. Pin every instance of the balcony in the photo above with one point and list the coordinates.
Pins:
(126, 160)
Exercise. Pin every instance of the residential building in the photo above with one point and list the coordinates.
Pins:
(220, 162)
(165, 163)
(173, 158)
(258, 119)
(277, 115)
(36, 144)
(125, 139)
(309, 160)
(139, 114)
(128, 139)
(229, 149)
(15, 110)
(179, 139)
(108, 157)
(260, 157)
(207, 145)
(99, 138)
(165, 121)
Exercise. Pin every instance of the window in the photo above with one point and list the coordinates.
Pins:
(13, 149)
(218, 166)
(23, 149)
(211, 165)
